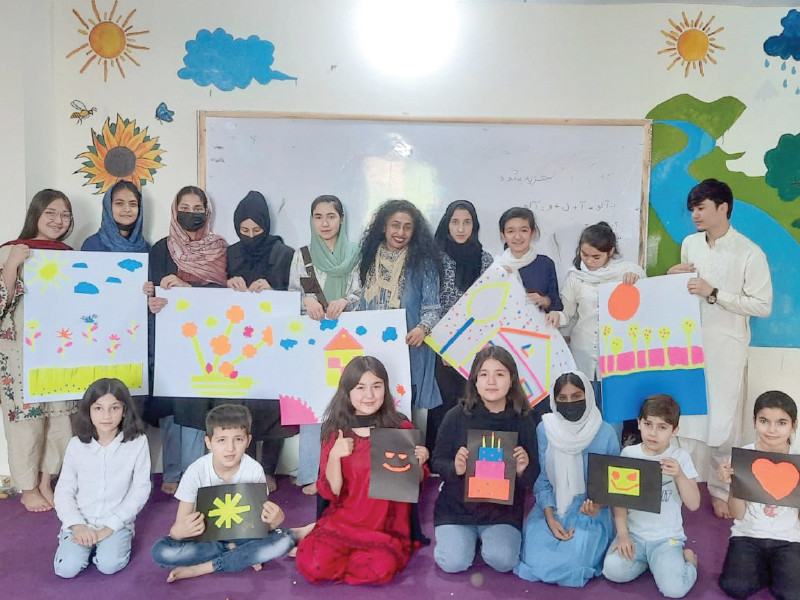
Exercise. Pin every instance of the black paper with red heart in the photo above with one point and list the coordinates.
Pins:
(766, 477)
(394, 470)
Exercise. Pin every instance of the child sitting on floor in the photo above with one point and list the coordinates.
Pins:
(655, 541)
(227, 437)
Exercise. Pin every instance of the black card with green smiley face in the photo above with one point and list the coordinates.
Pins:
(394, 470)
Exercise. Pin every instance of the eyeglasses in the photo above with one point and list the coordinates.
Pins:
(52, 215)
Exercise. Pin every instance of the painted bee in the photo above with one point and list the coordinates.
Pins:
(81, 112)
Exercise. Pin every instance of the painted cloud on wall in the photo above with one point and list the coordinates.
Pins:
(786, 45)
(219, 59)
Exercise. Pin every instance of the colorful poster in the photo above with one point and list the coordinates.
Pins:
(232, 511)
(220, 343)
(491, 467)
(767, 477)
(495, 311)
(394, 472)
(623, 481)
(650, 343)
(98, 328)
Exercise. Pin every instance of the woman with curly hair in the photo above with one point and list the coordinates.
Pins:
(400, 268)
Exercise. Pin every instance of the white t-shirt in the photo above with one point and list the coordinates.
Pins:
(201, 474)
(767, 521)
(669, 523)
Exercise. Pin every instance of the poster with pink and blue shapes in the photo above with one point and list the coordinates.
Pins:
(651, 343)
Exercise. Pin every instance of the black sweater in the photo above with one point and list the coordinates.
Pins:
(450, 506)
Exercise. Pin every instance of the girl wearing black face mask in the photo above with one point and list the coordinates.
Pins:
(563, 512)
(190, 256)
(257, 262)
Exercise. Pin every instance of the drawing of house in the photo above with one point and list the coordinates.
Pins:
(340, 350)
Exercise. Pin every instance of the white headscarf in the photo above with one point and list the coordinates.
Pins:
(613, 270)
(566, 441)
(507, 259)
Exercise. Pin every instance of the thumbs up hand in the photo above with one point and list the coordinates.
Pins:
(343, 446)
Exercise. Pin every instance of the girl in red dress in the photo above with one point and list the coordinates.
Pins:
(358, 539)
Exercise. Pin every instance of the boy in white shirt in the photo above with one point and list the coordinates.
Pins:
(655, 541)
(227, 437)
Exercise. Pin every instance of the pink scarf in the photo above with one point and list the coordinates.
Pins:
(199, 261)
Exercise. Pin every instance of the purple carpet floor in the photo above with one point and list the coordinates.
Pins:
(29, 542)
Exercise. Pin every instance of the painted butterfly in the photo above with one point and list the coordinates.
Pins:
(163, 113)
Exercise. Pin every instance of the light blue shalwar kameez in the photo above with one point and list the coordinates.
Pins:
(574, 562)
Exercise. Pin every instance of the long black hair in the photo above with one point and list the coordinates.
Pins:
(39, 203)
(468, 255)
(421, 248)
(131, 425)
(515, 398)
(600, 236)
(340, 413)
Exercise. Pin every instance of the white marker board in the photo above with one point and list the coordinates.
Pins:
(570, 173)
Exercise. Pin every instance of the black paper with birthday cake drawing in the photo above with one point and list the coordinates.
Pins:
(395, 472)
(491, 468)
(232, 511)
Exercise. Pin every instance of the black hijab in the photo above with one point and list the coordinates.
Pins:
(249, 258)
(467, 256)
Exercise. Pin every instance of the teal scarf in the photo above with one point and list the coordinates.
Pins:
(336, 265)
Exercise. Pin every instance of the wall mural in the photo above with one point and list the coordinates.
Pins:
(164, 114)
(219, 59)
(691, 43)
(121, 151)
(685, 152)
(80, 112)
(109, 39)
(786, 45)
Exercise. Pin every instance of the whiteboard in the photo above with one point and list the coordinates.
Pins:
(570, 173)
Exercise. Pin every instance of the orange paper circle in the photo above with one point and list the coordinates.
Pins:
(623, 302)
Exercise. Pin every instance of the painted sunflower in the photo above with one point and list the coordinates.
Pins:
(121, 151)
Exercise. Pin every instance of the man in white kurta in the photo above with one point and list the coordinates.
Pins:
(734, 283)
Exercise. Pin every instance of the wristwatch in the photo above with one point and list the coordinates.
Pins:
(712, 297)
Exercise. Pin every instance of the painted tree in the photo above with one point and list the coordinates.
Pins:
(688, 325)
(616, 348)
(664, 333)
(633, 333)
(647, 336)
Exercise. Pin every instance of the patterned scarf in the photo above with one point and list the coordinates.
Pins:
(199, 261)
(386, 278)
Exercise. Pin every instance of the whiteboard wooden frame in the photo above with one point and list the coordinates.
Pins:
(645, 124)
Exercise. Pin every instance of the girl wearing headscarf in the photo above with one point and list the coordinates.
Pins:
(122, 220)
(566, 534)
(334, 265)
(190, 256)
(260, 261)
(37, 434)
(463, 261)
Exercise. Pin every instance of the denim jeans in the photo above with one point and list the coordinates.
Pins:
(110, 555)
(755, 563)
(184, 553)
(674, 576)
(180, 447)
(310, 446)
(455, 546)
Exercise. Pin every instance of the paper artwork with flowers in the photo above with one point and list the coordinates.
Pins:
(85, 318)
(651, 343)
(219, 343)
(495, 311)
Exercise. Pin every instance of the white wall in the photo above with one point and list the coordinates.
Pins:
(510, 59)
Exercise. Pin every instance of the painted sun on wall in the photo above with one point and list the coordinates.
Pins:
(691, 43)
(651, 343)
(121, 151)
(109, 39)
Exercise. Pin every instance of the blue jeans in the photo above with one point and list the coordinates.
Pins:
(310, 447)
(110, 555)
(455, 546)
(185, 553)
(180, 447)
(674, 576)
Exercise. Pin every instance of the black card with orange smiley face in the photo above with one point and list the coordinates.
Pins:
(623, 481)
(394, 470)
